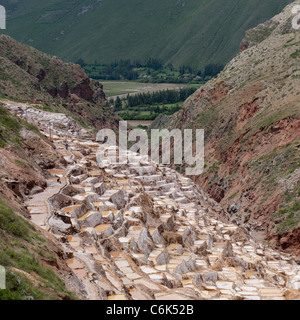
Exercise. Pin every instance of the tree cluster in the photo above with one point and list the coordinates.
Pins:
(159, 97)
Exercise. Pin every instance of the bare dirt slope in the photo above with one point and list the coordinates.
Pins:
(251, 117)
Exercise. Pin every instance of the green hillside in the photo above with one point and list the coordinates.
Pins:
(190, 32)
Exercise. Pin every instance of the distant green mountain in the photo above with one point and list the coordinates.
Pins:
(183, 32)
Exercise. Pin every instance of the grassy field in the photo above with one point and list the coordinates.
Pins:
(140, 123)
(22, 250)
(118, 88)
(114, 88)
(194, 32)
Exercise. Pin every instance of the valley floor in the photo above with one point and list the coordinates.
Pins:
(114, 89)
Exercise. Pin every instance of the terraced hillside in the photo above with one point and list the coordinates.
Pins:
(142, 231)
(251, 117)
(34, 261)
(193, 32)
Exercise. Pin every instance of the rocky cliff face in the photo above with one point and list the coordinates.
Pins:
(251, 117)
(29, 75)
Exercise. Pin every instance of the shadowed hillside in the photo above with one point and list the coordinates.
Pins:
(193, 32)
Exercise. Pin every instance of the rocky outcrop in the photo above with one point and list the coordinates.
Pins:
(83, 90)
(60, 201)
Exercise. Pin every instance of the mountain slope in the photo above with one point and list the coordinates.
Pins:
(33, 259)
(194, 32)
(251, 117)
(29, 75)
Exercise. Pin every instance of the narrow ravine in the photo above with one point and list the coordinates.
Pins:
(141, 231)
